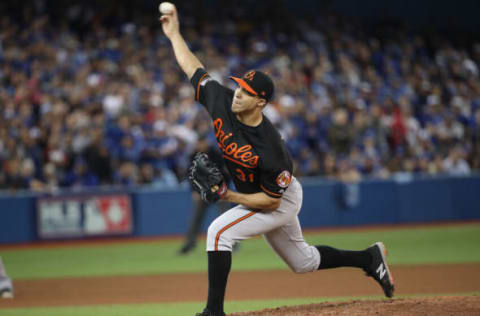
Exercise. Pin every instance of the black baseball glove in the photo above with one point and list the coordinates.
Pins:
(206, 178)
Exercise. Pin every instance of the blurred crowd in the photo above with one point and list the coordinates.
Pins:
(95, 98)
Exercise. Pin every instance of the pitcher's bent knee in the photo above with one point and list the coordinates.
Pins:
(302, 269)
(307, 263)
(218, 239)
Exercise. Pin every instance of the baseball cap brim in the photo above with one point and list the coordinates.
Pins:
(244, 85)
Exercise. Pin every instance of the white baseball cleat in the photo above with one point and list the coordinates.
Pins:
(6, 294)
(6, 288)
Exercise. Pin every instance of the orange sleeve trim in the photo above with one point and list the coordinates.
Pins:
(230, 225)
(197, 95)
(271, 193)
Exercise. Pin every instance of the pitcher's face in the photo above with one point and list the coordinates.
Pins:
(243, 101)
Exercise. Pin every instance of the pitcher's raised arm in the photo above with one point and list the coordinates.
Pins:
(185, 58)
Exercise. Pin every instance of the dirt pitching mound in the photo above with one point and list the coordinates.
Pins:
(438, 306)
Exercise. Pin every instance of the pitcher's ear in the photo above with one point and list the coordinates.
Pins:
(262, 102)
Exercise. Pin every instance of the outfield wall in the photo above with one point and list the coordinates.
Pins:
(143, 212)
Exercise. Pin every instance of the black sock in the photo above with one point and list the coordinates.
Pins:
(219, 263)
(335, 258)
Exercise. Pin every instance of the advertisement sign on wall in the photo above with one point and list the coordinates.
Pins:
(84, 215)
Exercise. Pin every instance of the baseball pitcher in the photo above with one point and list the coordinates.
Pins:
(268, 196)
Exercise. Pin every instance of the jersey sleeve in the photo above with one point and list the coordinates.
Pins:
(275, 181)
(206, 89)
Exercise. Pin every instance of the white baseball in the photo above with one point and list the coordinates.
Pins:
(166, 8)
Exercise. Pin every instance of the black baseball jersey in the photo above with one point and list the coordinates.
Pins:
(256, 157)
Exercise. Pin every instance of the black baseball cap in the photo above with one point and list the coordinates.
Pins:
(257, 83)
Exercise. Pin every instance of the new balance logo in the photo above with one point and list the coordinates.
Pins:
(381, 270)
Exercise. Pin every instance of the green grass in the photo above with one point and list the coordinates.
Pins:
(171, 309)
(449, 244)
(154, 309)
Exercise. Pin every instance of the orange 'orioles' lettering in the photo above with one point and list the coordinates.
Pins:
(233, 152)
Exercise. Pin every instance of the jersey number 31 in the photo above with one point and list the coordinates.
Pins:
(242, 177)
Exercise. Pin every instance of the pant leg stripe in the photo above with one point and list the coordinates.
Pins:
(230, 225)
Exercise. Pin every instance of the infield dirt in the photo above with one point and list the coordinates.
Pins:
(438, 306)
(247, 285)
